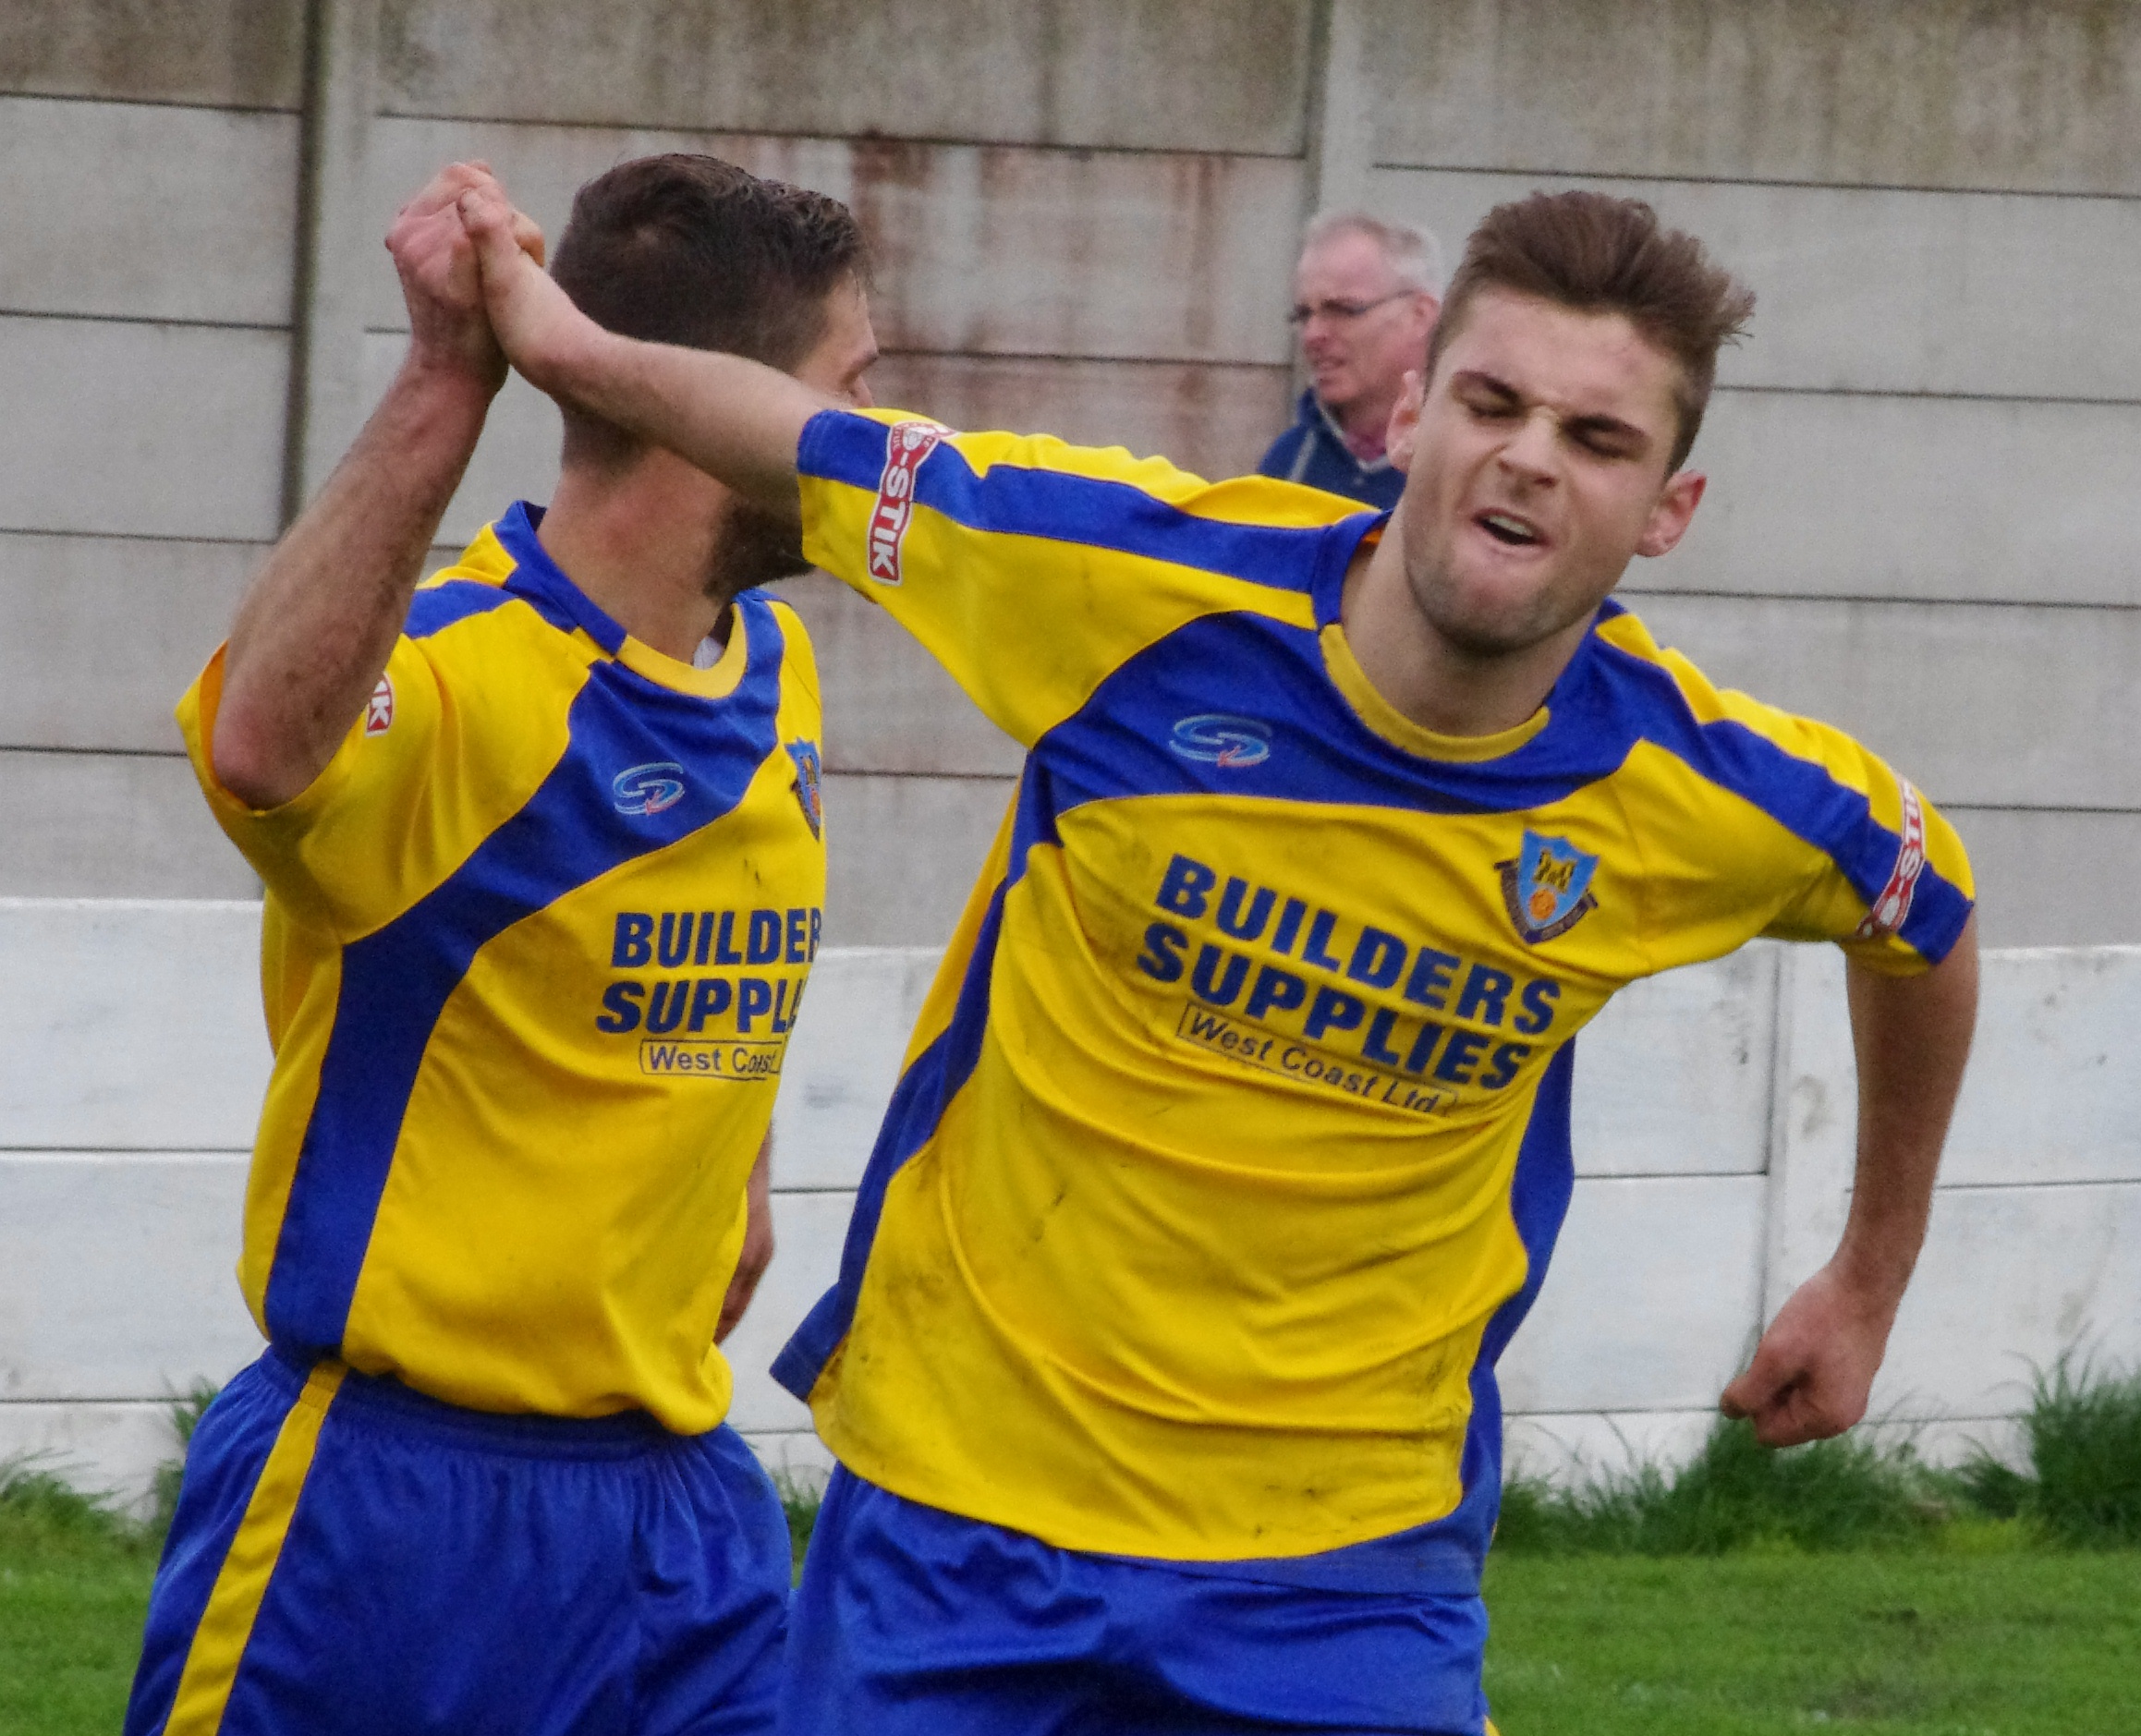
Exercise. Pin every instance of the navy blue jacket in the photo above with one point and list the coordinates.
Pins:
(1312, 452)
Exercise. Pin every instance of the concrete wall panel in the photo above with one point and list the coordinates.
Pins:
(2033, 1271)
(2051, 1094)
(110, 1448)
(1673, 1077)
(111, 826)
(1209, 75)
(104, 632)
(2028, 95)
(1651, 1303)
(841, 1064)
(903, 853)
(2044, 876)
(97, 1057)
(1938, 692)
(152, 1240)
(141, 211)
(240, 53)
(1878, 289)
(989, 249)
(1215, 419)
(1821, 495)
(141, 430)
(1578, 1447)
(808, 1230)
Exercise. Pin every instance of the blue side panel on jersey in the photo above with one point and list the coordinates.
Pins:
(1797, 794)
(1121, 741)
(436, 607)
(1016, 500)
(916, 1106)
(538, 579)
(396, 980)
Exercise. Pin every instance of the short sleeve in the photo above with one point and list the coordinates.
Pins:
(446, 748)
(1031, 568)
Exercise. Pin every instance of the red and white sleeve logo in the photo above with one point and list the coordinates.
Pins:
(905, 448)
(1889, 910)
(378, 709)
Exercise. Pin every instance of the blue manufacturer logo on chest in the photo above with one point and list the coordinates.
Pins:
(1548, 887)
(1220, 739)
(648, 789)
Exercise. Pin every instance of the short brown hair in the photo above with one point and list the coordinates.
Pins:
(689, 250)
(1597, 254)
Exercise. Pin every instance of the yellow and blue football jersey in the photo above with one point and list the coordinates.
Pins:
(532, 945)
(1233, 1139)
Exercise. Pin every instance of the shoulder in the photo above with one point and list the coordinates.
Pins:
(1675, 683)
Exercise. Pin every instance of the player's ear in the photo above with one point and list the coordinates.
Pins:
(1403, 432)
(1677, 503)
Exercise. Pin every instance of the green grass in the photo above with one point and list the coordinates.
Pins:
(73, 1588)
(2036, 1644)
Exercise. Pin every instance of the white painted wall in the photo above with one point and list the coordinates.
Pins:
(1713, 1147)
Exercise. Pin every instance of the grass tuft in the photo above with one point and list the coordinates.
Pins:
(2084, 1431)
(1734, 1495)
(800, 1498)
(41, 1516)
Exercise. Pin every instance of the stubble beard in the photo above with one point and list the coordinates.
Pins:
(752, 547)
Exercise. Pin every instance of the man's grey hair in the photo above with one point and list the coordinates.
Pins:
(1414, 255)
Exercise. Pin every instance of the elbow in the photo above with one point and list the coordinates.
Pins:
(248, 761)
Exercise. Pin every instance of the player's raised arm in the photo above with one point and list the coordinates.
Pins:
(736, 419)
(1814, 1368)
(313, 632)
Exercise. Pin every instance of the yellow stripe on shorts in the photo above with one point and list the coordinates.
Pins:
(219, 1640)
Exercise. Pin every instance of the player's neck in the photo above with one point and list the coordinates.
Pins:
(640, 547)
(1422, 675)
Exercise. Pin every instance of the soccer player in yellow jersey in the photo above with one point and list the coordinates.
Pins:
(544, 860)
(1234, 1140)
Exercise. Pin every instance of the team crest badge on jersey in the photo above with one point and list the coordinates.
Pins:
(378, 709)
(809, 778)
(1548, 887)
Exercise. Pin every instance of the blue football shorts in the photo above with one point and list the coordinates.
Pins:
(350, 1556)
(912, 1621)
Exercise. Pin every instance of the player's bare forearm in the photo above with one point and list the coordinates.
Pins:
(1911, 1035)
(314, 631)
(316, 628)
(758, 1248)
(736, 419)
(1813, 1371)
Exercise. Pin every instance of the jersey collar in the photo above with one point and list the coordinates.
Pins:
(540, 581)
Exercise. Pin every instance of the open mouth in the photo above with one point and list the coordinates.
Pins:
(1506, 527)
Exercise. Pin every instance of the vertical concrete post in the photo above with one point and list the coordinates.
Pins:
(1340, 131)
(327, 396)
(1814, 1121)
(1341, 105)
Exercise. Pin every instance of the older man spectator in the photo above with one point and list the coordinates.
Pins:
(1366, 294)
